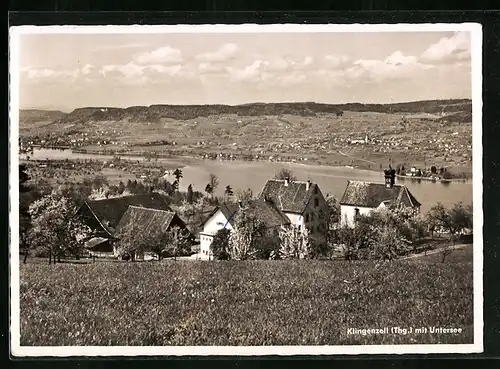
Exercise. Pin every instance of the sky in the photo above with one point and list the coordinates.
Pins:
(68, 71)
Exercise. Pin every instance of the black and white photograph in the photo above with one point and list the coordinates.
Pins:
(246, 189)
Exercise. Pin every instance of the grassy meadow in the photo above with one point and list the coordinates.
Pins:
(242, 302)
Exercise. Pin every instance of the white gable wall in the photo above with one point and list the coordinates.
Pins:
(296, 219)
(347, 213)
(212, 226)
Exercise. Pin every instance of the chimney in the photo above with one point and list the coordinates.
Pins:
(390, 177)
(308, 185)
(287, 181)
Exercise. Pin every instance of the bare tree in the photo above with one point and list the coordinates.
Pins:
(285, 173)
(213, 181)
(243, 194)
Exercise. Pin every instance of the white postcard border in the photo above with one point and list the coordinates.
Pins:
(65, 351)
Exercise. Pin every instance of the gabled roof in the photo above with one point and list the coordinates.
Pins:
(292, 197)
(261, 209)
(112, 210)
(370, 195)
(148, 221)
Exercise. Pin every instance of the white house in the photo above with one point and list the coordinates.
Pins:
(361, 198)
(224, 217)
(301, 201)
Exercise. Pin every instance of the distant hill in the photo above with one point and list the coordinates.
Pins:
(154, 113)
(28, 116)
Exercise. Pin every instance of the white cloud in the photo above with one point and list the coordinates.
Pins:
(396, 65)
(132, 73)
(207, 68)
(163, 55)
(251, 73)
(397, 58)
(87, 69)
(292, 79)
(35, 75)
(276, 70)
(337, 61)
(224, 53)
(128, 70)
(449, 49)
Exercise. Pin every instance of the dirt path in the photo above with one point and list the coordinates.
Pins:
(436, 251)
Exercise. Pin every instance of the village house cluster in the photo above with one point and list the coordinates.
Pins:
(281, 203)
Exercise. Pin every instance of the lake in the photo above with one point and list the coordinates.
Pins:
(254, 174)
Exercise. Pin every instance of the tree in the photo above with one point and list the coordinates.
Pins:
(244, 237)
(23, 178)
(294, 243)
(24, 214)
(331, 214)
(79, 234)
(179, 241)
(243, 194)
(189, 195)
(55, 227)
(130, 243)
(351, 242)
(453, 220)
(99, 181)
(213, 181)
(178, 175)
(121, 188)
(208, 189)
(382, 234)
(228, 191)
(157, 243)
(220, 244)
(175, 186)
(285, 173)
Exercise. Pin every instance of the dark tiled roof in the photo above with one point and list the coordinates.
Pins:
(367, 194)
(263, 210)
(148, 221)
(292, 198)
(112, 210)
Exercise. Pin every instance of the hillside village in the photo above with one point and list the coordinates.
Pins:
(282, 203)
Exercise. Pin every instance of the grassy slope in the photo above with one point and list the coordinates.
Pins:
(463, 255)
(242, 303)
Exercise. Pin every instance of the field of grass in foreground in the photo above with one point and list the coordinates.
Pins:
(242, 303)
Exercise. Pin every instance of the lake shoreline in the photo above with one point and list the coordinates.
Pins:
(192, 159)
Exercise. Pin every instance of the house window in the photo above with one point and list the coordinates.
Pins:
(300, 227)
(306, 218)
(316, 202)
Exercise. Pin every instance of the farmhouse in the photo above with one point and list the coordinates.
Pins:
(224, 216)
(147, 222)
(103, 216)
(360, 198)
(302, 202)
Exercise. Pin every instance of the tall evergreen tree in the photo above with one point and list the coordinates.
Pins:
(190, 194)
